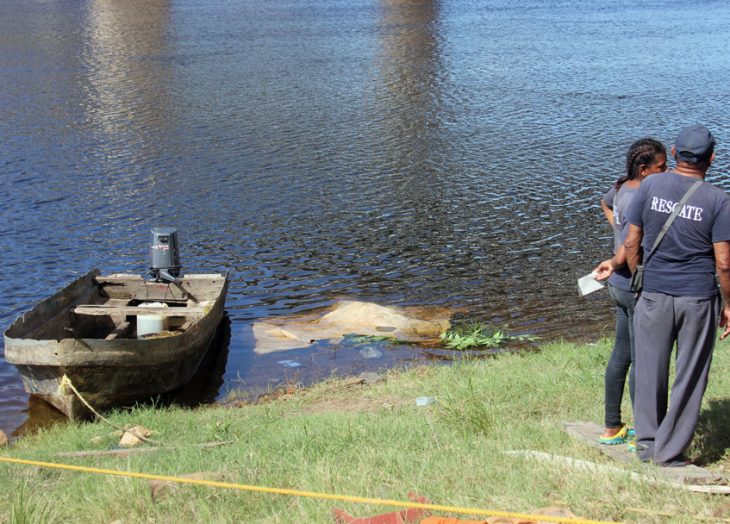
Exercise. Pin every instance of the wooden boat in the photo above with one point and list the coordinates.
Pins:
(87, 332)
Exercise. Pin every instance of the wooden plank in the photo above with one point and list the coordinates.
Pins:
(119, 331)
(588, 433)
(131, 277)
(115, 302)
(103, 309)
(649, 474)
(197, 287)
(125, 452)
(185, 325)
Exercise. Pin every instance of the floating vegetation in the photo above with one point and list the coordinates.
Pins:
(480, 335)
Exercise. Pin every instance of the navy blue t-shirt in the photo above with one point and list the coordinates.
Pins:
(619, 203)
(684, 262)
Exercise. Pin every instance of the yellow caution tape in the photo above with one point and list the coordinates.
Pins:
(310, 494)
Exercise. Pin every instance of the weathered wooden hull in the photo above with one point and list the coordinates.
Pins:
(109, 371)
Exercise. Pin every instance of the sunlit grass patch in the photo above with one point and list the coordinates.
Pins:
(346, 438)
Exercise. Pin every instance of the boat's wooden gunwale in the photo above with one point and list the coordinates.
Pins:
(52, 308)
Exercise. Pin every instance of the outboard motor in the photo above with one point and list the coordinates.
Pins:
(164, 254)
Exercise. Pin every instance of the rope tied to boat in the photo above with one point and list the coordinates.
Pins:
(67, 384)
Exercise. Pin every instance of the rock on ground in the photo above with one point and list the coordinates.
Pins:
(130, 438)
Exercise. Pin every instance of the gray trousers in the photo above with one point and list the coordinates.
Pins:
(664, 429)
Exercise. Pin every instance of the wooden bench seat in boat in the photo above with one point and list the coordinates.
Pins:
(104, 309)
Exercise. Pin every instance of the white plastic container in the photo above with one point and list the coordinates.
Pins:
(151, 324)
(425, 401)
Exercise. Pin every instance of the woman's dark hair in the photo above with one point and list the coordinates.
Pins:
(641, 153)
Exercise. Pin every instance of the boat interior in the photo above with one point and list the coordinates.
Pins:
(113, 307)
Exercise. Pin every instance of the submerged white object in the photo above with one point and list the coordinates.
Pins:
(293, 364)
(369, 352)
(151, 324)
(589, 284)
(346, 317)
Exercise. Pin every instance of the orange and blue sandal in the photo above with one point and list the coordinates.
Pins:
(617, 438)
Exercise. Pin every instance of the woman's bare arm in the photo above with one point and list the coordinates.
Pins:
(607, 211)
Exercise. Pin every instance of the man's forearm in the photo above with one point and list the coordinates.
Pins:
(722, 269)
(723, 278)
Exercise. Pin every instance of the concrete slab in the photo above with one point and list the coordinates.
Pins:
(589, 432)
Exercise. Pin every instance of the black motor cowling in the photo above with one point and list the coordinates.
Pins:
(164, 254)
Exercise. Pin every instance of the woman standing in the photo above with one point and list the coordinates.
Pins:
(645, 157)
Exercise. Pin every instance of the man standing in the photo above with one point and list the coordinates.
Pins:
(679, 302)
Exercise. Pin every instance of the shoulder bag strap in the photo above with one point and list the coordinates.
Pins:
(677, 209)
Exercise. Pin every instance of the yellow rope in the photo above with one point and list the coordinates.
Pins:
(66, 383)
(310, 494)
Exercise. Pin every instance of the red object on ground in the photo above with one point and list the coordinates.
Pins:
(490, 520)
(451, 520)
(406, 516)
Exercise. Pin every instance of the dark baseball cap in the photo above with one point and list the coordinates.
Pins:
(694, 144)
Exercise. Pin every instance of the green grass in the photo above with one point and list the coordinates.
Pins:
(373, 441)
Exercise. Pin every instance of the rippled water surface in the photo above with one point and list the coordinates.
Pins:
(404, 152)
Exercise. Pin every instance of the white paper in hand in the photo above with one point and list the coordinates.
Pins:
(589, 284)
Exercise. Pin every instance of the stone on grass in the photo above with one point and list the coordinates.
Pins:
(131, 436)
(371, 377)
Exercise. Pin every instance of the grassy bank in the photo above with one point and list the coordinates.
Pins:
(374, 441)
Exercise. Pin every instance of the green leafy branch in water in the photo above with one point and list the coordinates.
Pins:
(471, 335)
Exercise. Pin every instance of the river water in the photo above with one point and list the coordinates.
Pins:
(413, 152)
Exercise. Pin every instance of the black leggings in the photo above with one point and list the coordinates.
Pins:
(622, 357)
